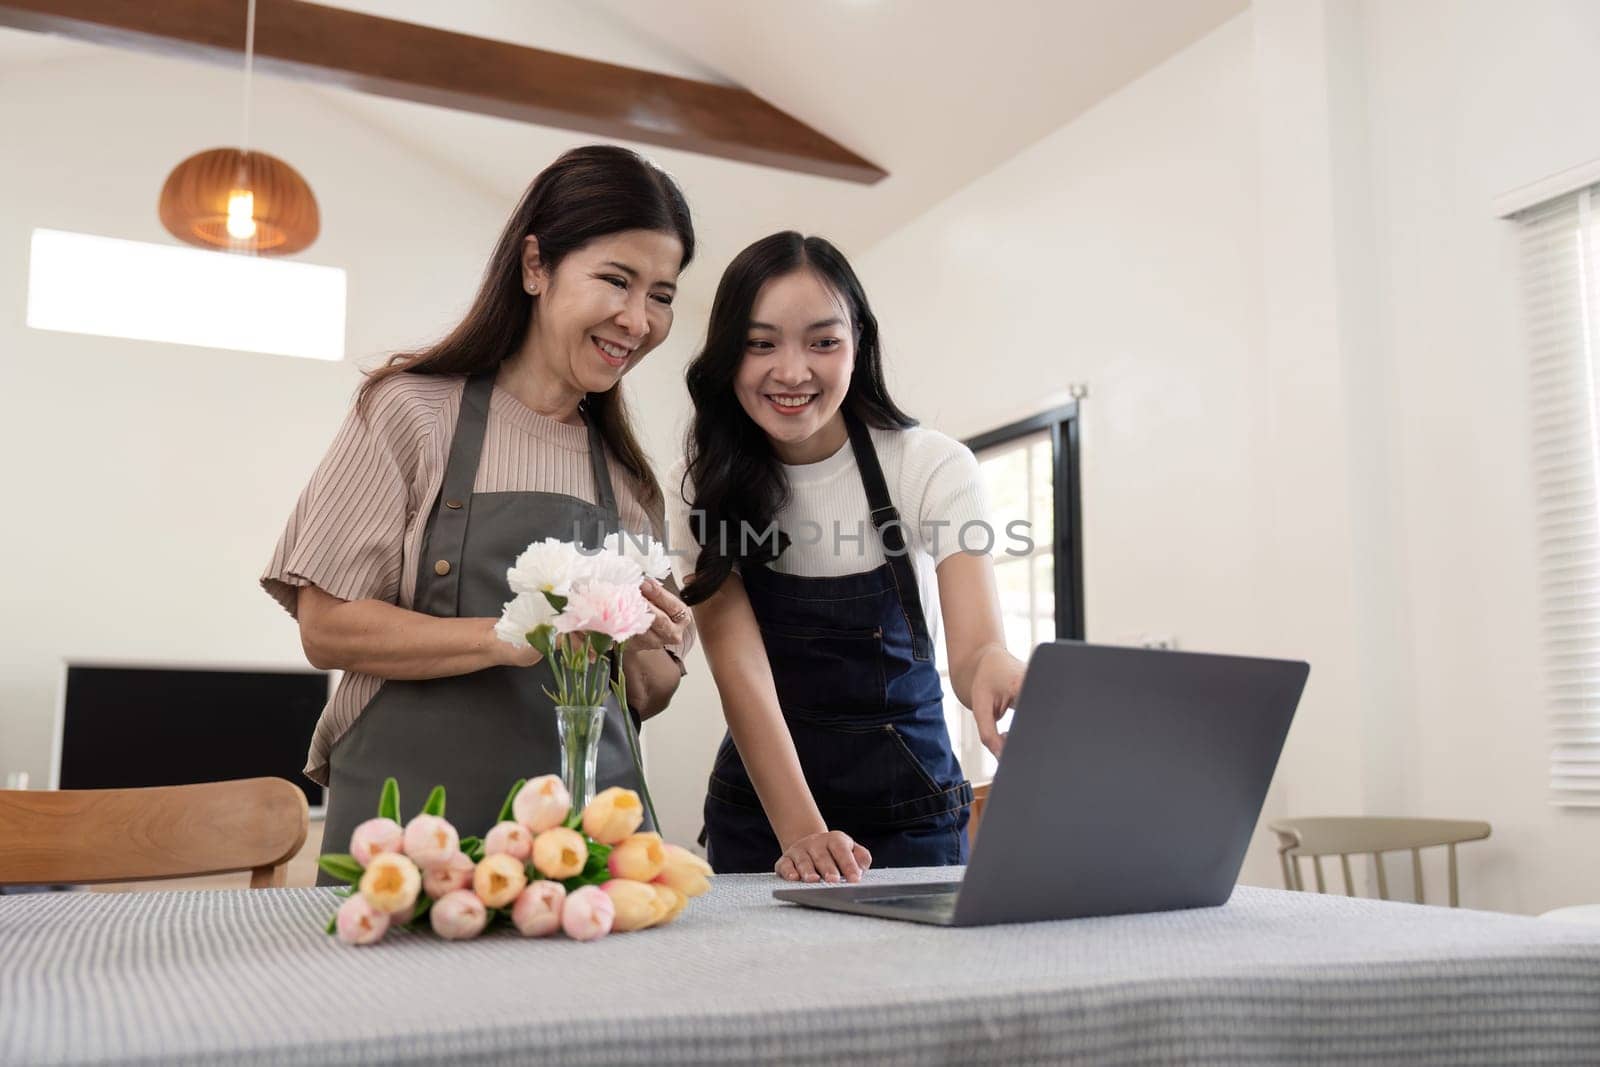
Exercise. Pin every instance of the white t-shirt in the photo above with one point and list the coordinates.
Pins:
(933, 482)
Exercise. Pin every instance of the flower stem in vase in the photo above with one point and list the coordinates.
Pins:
(580, 727)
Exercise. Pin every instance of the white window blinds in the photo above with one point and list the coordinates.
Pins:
(1561, 276)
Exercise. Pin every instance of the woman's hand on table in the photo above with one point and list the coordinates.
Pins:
(827, 856)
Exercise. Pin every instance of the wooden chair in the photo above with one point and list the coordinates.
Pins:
(76, 836)
(1372, 836)
(980, 797)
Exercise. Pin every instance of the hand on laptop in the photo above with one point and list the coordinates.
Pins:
(995, 685)
(828, 856)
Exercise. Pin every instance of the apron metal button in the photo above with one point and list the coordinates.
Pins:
(442, 568)
(453, 505)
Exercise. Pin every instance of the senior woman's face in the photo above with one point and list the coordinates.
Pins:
(607, 305)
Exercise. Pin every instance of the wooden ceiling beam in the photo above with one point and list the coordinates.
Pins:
(406, 61)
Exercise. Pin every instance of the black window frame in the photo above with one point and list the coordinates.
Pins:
(1066, 486)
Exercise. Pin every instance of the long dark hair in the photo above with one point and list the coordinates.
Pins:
(736, 476)
(588, 193)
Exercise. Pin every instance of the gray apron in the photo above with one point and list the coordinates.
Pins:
(475, 734)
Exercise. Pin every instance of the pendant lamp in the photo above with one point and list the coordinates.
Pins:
(239, 200)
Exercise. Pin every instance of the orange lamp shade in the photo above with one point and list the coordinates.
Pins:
(239, 202)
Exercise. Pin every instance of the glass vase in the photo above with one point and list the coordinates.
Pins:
(579, 727)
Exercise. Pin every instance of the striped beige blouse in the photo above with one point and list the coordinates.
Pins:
(357, 529)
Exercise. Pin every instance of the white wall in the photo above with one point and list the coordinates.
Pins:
(1469, 101)
(147, 483)
(1273, 260)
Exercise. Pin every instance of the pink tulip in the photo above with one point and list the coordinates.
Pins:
(613, 815)
(636, 904)
(359, 923)
(375, 836)
(685, 872)
(498, 879)
(560, 853)
(455, 873)
(541, 804)
(391, 882)
(537, 911)
(511, 838)
(430, 841)
(616, 610)
(672, 902)
(639, 857)
(458, 916)
(588, 913)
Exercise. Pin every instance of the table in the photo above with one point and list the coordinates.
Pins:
(247, 976)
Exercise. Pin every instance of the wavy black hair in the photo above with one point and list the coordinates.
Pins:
(736, 477)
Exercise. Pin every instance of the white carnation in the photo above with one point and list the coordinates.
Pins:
(547, 566)
(522, 616)
(644, 550)
(608, 566)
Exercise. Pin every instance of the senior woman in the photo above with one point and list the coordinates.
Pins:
(452, 460)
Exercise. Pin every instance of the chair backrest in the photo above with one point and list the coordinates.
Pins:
(980, 797)
(1370, 835)
(74, 836)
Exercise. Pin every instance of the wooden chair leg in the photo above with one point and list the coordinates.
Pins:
(1416, 872)
(1349, 882)
(1455, 897)
(269, 877)
(1383, 882)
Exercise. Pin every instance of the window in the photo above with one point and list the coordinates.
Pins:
(83, 283)
(1561, 275)
(1030, 474)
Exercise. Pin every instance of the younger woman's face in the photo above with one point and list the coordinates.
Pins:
(799, 353)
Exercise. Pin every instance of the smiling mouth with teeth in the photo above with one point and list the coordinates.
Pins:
(791, 400)
(615, 355)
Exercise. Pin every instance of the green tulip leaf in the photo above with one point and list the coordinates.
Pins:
(341, 866)
(389, 802)
(424, 902)
(333, 923)
(435, 804)
(505, 809)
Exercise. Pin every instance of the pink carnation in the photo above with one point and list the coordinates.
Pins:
(618, 611)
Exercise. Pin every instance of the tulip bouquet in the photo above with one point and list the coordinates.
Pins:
(543, 867)
(579, 608)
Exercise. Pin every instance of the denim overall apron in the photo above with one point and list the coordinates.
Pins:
(475, 734)
(853, 664)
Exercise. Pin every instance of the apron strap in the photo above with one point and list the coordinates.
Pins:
(891, 531)
(604, 497)
(439, 573)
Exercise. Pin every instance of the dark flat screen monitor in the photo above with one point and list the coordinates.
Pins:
(125, 726)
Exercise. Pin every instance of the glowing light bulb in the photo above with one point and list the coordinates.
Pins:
(241, 212)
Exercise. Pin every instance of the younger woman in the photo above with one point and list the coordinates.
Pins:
(821, 526)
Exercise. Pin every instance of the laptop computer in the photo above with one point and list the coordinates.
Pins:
(1131, 782)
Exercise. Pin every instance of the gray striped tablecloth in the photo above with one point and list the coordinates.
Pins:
(243, 977)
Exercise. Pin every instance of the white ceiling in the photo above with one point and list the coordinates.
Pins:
(938, 92)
